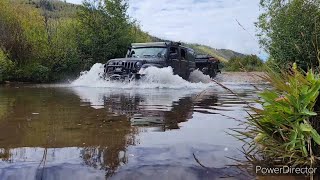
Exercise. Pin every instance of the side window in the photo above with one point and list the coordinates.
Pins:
(183, 54)
(173, 50)
(191, 55)
(173, 54)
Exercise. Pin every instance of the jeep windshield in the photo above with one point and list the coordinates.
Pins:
(148, 52)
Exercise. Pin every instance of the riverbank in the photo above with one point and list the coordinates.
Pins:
(242, 77)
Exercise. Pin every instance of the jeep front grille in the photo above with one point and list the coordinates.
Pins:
(128, 65)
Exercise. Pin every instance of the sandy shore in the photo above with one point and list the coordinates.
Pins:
(241, 77)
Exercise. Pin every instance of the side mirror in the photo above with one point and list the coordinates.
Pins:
(130, 53)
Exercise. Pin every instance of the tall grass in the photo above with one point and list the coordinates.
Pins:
(284, 130)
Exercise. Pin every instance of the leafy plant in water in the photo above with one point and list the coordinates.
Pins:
(282, 132)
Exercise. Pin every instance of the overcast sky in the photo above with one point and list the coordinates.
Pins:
(209, 22)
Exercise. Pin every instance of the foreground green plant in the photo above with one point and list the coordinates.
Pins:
(284, 131)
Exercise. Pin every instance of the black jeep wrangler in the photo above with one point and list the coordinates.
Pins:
(208, 65)
(158, 54)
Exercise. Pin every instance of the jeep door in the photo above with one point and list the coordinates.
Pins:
(183, 63)
(174, 59)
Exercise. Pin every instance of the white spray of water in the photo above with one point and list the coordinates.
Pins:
(91, 76)
(155, 78)
(197, 76)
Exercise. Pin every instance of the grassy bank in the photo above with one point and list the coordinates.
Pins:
(284, 132)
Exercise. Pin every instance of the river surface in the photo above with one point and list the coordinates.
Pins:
(60, 132)
(90, 129)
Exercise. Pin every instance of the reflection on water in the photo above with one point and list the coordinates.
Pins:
(92, 133)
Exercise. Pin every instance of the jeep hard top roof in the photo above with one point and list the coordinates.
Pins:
(154, 44)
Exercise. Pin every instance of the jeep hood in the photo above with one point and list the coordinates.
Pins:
(143, 60)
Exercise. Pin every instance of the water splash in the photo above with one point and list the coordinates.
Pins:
(155, 78)
(197, 76)
(91, 76)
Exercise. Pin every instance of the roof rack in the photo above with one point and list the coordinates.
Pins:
(156, 44)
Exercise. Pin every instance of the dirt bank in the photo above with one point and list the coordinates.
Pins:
(241, 77)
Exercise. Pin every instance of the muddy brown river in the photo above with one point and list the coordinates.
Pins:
(58, 132)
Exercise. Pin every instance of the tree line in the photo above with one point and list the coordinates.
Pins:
(50, 40)
(245, 63)
(290, 32)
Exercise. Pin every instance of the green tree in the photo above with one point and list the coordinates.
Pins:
(290, 31)
(22, 38)
(52, 40)
(11, 36)
(138, 35)
(105, 30)
(247, 63)
(6, 66)
(64, 57)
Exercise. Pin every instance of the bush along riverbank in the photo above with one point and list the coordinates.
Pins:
(284, 132)
(247, 63)
(49, 41)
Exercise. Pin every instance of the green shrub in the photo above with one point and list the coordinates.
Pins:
(6, 67)
(33, 73)
(283, 132)
(247, 63)
(290, 31)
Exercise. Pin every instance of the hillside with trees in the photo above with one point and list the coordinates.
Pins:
(245, 63)
(224, 55)
(51, 40)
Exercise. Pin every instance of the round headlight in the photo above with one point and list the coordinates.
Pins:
(138, 64)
